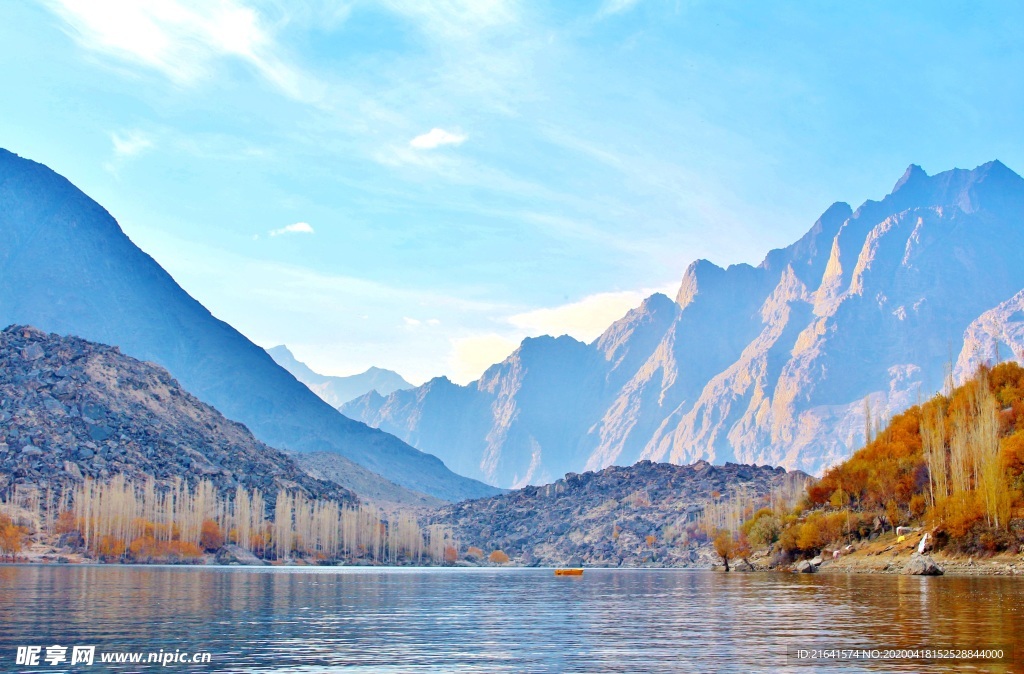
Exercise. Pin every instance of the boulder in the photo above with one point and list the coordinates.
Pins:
(817, 561)
(922, 565)
(232, 554)
(806, 567)
(32, 352)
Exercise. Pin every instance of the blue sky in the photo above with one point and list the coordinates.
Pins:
(419, 185)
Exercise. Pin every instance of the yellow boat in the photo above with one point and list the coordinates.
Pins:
(568, 572)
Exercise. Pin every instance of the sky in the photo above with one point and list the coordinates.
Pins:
(420, 185)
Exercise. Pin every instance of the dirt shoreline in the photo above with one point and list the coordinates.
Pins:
(888, 555)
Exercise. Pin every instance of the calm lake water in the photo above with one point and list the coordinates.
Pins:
(515, 620)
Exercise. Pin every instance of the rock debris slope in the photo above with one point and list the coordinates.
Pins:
(641, 515)
(71, 409)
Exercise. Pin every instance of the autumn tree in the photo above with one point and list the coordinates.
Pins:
(725, 547)
(11, 537)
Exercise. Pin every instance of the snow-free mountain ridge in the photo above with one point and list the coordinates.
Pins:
(770, 364)
(337, 391)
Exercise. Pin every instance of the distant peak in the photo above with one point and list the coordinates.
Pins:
(280, 348)
(656, 301)
(839, 210)
(913, 174)
(997, 168)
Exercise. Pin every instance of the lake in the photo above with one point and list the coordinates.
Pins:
(321, 619)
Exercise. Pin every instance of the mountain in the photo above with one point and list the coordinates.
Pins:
(773, 364)
(641, 515)
(71, 409)
(67, 267)
(337, 391)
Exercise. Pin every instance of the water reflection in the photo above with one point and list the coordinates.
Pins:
(481, 620)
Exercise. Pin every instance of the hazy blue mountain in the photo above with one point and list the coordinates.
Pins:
(337, 391)
(66, 267)
(767, 364)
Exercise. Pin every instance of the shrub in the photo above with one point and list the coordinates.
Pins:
(148, 549)
(211, 538)
(65, 523)
(498, 557)
(110, 546)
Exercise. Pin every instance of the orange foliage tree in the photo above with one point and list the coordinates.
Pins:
(11, 537)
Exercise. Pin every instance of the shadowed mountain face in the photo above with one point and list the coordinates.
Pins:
(337, 391)
(769, 364)
(66, 267)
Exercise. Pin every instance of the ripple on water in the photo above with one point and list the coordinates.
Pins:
(493, 620)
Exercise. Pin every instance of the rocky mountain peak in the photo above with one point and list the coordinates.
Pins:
(913, 177)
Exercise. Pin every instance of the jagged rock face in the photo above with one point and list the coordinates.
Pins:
(71, 409)
(67, 267)
(768, 364)
(998, 334)
(605, 518)
(337, 391)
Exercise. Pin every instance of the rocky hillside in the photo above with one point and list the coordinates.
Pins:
(383, 494)
(768, 364)
(66, 267)
(635, 516)
(337, 391)
(71, 409)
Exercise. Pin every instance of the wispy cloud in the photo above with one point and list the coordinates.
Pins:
(587, 318)
(182, 38)
(130, 143)
(611, 7)
(456, 19)
(296, 228)
(472, 355)
(436, 138)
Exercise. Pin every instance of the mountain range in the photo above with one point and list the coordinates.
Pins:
(337, 391)
(66, 267)
(784, 363)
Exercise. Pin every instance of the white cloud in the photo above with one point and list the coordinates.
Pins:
(471, 356)
(586, 319)
(130, 143)
(181, 38)
(611, 7)
(436, 138)
(411, 322)
(296, 228)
